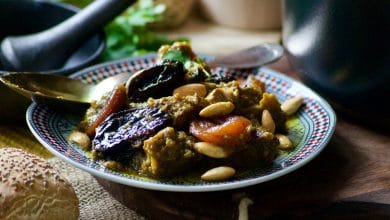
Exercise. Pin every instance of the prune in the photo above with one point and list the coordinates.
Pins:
(122, 133)
(156, 82)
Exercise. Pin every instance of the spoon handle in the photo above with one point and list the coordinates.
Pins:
(87, 21)
(60, 41)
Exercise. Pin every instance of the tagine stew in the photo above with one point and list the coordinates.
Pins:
(177, 117)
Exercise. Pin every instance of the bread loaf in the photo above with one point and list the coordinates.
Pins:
(31, 189)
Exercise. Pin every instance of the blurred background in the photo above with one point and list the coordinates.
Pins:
(149, 23)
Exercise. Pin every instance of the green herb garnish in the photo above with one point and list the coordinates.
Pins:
(128, 34)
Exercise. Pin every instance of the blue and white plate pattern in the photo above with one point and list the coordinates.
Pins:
(310, 131)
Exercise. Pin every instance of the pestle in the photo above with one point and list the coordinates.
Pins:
(49, 49)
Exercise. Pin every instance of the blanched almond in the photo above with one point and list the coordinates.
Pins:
(284, 142)
(191, 89)
(80, 139)
(218, 173)
(211, 150)
(290, 106)
(267, 122)
(217, 109)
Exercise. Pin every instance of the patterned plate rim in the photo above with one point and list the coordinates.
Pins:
(219, 186)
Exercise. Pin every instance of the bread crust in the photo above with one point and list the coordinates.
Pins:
(31, 189)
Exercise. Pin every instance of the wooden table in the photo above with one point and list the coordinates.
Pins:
(350, 179)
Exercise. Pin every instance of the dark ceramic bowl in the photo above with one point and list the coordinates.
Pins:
(25, 16)
(19, 17)
(341, 49)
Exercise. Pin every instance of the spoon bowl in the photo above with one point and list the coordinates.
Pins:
(250, 57)
(59, 91)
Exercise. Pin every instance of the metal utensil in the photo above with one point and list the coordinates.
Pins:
(53, 89)
(251, 57)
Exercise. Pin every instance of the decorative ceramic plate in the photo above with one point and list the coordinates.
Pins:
(310, 131)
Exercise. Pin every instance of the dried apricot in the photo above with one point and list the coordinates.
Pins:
(227, 131)
(114, 104)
